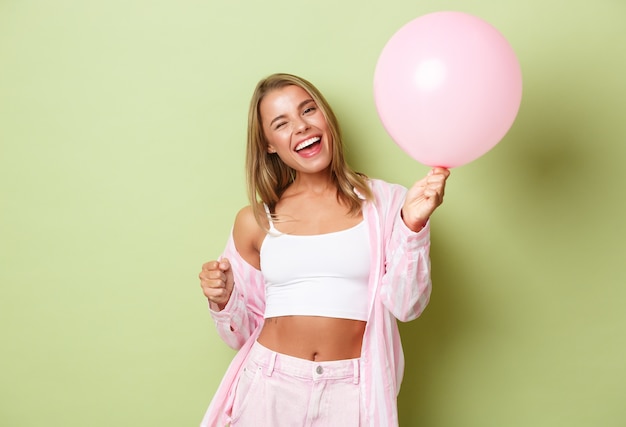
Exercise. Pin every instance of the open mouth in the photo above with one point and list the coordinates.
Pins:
(309, 143)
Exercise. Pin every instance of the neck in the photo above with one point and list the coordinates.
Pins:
(314, 183)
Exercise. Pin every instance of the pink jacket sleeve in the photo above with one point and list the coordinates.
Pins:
(406, 284)
(243, 313)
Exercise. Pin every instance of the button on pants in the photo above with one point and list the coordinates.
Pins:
(275, 390)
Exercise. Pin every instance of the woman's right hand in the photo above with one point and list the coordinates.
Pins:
(217, 281)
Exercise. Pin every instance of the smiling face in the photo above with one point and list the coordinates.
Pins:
(296, 129)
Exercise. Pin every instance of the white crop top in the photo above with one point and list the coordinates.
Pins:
(318, 275)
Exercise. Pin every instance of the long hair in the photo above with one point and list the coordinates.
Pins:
(268, 177)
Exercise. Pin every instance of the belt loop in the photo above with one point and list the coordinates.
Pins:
(355, 364)
(270, 367)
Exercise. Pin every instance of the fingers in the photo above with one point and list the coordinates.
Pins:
(437, 175)
(435, 184)
(435, 178)
(214, 281)
(439, 171)
(222, 264)
(424, 197)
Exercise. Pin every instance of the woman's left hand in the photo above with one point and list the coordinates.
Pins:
(423, 198)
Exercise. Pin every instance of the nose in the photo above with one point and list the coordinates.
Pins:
(301, 125)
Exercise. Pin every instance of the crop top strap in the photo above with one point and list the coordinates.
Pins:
(269, 218)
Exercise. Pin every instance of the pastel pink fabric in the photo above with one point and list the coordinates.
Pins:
(399, 289)
(278, 390)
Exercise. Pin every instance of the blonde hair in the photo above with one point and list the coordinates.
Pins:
(268, 177)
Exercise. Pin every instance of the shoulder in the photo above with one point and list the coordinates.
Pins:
(384, 189)
(248, 235)
(246, 222)
(245, 218)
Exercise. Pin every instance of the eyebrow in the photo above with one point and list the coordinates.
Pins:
(300, 105)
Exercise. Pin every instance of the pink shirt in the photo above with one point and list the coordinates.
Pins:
(399, 289)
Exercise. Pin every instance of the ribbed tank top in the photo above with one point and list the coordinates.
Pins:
(317, 275)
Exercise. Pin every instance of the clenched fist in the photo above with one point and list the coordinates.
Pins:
(217, 281)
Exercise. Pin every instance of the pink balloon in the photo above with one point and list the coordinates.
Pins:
(447, 88)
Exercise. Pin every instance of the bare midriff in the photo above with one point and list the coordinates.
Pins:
(313, 337)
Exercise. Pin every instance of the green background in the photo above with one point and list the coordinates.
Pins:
(122, 129)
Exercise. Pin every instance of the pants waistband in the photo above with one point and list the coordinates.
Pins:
(272, 361)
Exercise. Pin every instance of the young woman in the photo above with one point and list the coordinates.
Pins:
(318, 269)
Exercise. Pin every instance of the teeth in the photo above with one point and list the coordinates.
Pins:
(307, 143)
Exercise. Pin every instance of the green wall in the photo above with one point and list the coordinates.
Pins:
(122, 127)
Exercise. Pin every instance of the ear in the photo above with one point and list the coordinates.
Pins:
(271, 149)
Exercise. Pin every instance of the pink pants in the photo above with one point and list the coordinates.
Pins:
(275, 390)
